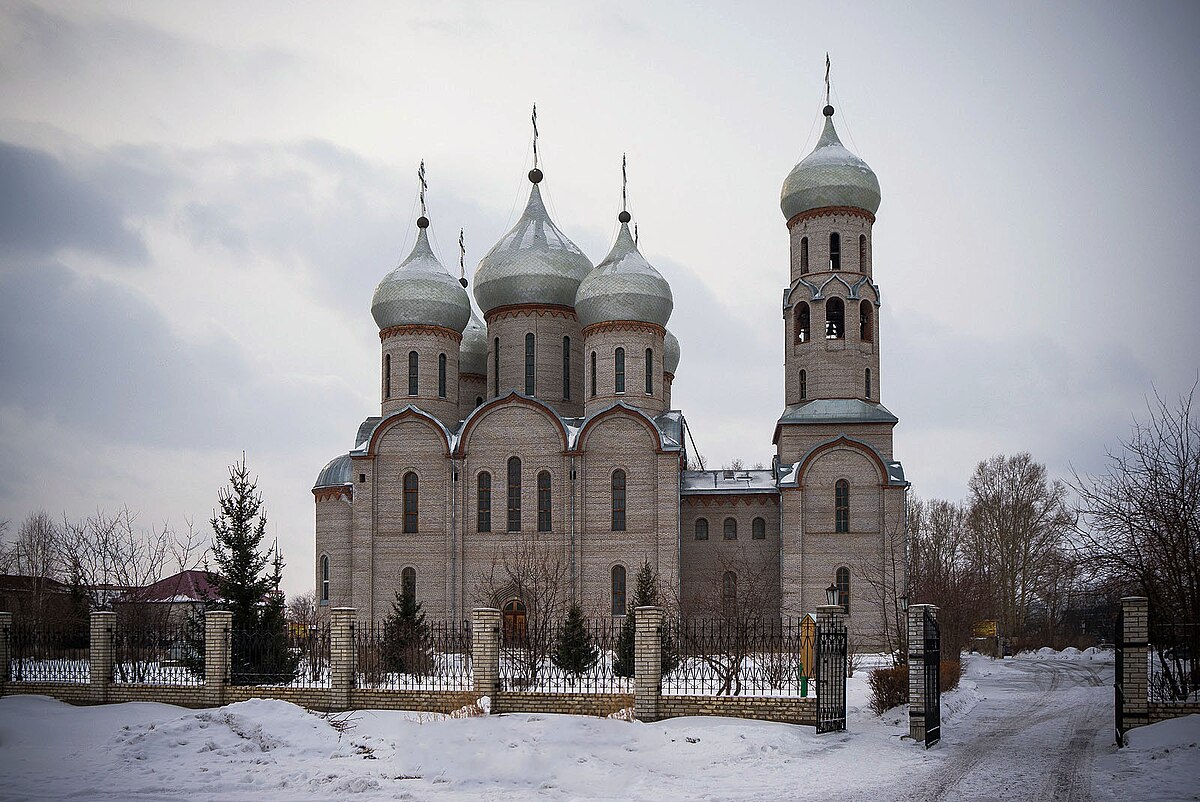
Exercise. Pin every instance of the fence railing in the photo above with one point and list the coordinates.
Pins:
(38, 654)
(1174, 663)
(771, 657)
(294, 656)
(432, 656)
(560, 658)
(159, 655)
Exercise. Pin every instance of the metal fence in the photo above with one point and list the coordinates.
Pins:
(772, 657)
(431, 656)
(1174, 657)
(560, 658)
(159, 655)
(39, 654)
(295, 656)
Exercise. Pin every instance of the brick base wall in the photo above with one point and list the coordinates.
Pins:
(576, 704)
(763, 708)
(1161, 711)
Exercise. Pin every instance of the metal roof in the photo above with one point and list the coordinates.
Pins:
(836, 410)
(728, 482)
(829, 176)
(624, 286)
(336, 474)
(472, 355)
(421, 292)
(670, 353)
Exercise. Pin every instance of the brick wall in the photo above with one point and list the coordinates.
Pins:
(576, 704)
(548, 325)
(429, 342)
(762, 708)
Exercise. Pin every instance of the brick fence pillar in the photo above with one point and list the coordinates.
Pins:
(343, 655)
(647, 662)
(485, 650)
(916, 668)
(1134, 679)
(6, 620)
(217, 627)
(103, 635)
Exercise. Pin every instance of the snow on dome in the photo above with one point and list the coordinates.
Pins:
(421, 292)
(829, 176)
(534, 263)
(670, 353)
(624, 286)
(473, 352)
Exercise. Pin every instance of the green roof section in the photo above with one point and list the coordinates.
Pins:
(836, 410)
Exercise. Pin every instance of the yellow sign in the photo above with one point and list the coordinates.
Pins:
(985, 629)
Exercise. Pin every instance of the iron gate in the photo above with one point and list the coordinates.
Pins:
(933, 680)
(1118, 688)
(831, 680)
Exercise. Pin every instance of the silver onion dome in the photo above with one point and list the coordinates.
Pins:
(829, 176)
(421, 292)
(472, 355)
(624, 286)
(534, 263)
(670, 353)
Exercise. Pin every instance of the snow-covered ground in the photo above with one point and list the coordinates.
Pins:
(271, 750)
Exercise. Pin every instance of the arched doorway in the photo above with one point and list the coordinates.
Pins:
(513, 616)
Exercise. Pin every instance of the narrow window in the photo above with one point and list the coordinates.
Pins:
(731, 529)
(841, 505)
(701, 529)
(729, 593)
(412, 372)
(649, 371)
(835, 251)
(496, 368)
(758, 529)
(529, 364)
(593, 374)
(804, 254)
(566, 368)
(862, 253)
(514, 494)
(803, 322)
(619, 359)
(410, 502)
(483, 503)
(325, 578)
(868, 382)
(543, 480)
(441, 375)
(618, 590)
(835, 319)
(866, 331)
(478, 400)
(408, 583)
(842, 581)
(387, 375)
(618, 501)
(803, 384)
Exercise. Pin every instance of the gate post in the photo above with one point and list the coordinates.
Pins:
(217, 626)
(647, 662)
(343, 655)
(916, 668)
(1134, 679)
(103, 634)
(831, 651)
(485, 650)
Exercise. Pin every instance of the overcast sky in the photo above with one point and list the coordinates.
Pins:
(197, 200)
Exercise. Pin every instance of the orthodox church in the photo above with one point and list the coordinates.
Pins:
(548, 424)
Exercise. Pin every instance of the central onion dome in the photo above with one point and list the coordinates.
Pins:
(670, 353)
(420, 292)
(829, 176)
(624, 286)
(472, 355)
(534, 263)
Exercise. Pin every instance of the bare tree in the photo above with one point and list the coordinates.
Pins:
(302, 609)
(37, 549)
(940, 571)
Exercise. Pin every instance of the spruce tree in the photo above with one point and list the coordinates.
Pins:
(406, 647)
(644, 595)
(574, 650)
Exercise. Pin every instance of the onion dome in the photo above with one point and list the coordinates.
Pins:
(670, 353)
(534, 263)
(420, 292)
(829, 176)
(472, 357)
(624, 286)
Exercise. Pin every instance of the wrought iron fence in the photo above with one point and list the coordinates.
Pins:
(431, 656)
(561, 658)
(1174, 656)
(39, 654)
(159, 655)
(765, 657)
(296, 656)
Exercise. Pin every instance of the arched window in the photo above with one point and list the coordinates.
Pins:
(529, 365)
(867, 382)
(841, 506)
(731, 529)
(862, 253)
(866, 329)
(387, 375)
(593, 374)
(803, 322)
(758, 529)
(842, 581)
(729, 593)
(701, 529)
(618, 500)
(478, 400)
(410, 502)
(324, 579)
(835, 319)
(619, 361)
(618, 590)
(566, 368)
(441, 375)
(649, 371)
(408, 583)
(804, 254)
(835, 251)
(412, 372)
(803, 384)
(543, 480)
(514, 494)
(496, 368)
(483, 502)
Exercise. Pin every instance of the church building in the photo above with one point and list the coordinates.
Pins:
(547, 427)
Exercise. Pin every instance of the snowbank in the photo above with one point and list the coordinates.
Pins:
(1160, 762)
(1069, 653)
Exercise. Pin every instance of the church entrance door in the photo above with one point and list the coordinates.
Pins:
(514, 621)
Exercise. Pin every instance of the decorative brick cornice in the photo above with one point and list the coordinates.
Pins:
(636, 326)
(408, 330)
(473, 377)
(829, 211)
(730, 499)
(529, 310)
(334, 493)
